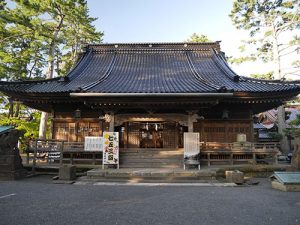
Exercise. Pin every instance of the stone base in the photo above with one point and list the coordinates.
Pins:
(67, 172)
(234, 177)
(13, 175)
(285, 187)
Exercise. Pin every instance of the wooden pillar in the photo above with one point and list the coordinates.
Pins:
(112, 122)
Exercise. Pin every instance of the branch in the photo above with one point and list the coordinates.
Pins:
(295, 50)
(30, 71)
(289, 46)
(17, 35)
(293, 21)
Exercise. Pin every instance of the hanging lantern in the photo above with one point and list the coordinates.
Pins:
(77, 114)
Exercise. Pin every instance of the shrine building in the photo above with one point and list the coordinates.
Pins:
(151, 93)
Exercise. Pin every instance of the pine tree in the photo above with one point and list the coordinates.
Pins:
(198, 38)
(272, 27)
(43, 35)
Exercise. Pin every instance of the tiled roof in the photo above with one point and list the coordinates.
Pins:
(151, 68)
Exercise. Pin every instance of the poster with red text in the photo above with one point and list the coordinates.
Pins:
(110, 148)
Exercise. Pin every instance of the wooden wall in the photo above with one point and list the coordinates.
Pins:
(74, 130)
(223, 130)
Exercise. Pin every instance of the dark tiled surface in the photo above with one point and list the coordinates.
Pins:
(151, 68)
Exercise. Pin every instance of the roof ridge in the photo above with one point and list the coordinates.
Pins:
(28, 81)
(180, 46)
(158, 43)
(277, 81)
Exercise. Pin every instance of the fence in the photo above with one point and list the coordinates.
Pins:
(47, 152)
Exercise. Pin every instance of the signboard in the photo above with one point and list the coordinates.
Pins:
(191, 149)
(93, 144)
(111, 148)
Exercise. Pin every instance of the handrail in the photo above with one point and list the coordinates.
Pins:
(236, 146)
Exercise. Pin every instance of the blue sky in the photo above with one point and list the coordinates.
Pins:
(125, 21)
(160, 20)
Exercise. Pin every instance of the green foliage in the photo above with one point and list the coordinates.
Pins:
(41, 37)
(294, 131)
(198, 38)
(266, 76)
(271, 25)
(275, 135)
(38, 32)
(27, 127)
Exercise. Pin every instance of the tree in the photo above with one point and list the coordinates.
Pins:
(198, 38)
(55, 32)
(272, 26)
(265, 76)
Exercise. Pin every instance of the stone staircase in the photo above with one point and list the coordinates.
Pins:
(151, 166)
(151, 158)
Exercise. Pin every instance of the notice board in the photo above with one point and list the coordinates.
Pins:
(111, 148)
(93, 144)
(191, 148)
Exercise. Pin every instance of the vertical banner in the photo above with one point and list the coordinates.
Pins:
(93, 144)
(111, 148)
(191, 148)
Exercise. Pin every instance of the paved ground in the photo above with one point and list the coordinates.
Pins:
(38, 201)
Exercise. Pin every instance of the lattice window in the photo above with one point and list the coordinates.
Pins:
(134, 135)
(76, 131)
(64, 131)
(170, 137)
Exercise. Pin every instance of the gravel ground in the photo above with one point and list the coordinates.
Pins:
(38, 201)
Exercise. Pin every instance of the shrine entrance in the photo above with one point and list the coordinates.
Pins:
(151, 134)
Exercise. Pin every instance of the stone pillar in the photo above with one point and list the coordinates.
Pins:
(295, 163)
(192, 117)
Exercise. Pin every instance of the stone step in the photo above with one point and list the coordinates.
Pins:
(151, 165)
(151, 175)
(162, 154)
(147, 180)
(149, 160)
(142, 157)
(152, 150)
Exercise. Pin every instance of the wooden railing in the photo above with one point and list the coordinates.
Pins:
(239, 153)
(59, 152)
(238, 146)
(54, 151)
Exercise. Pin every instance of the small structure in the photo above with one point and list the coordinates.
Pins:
(67, 172)
(10, 161)
(286, 181)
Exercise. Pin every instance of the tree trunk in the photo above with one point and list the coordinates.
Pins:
(49, 73)
(17, 109)
(281, 123)
(43, 125)
(11, 109)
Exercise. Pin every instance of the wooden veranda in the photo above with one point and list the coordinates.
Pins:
(55, 153)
